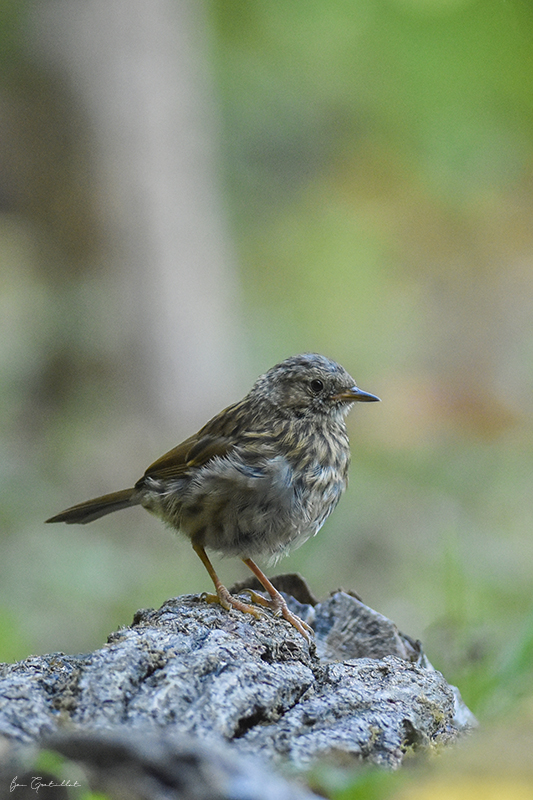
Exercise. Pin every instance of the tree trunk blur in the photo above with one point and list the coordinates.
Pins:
(140, 73)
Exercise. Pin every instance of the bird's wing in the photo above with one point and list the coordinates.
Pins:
(193, 452)
(216, 438)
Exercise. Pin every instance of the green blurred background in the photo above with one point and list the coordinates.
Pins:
(190, 193)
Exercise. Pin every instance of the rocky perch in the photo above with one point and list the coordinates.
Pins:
(192, 677)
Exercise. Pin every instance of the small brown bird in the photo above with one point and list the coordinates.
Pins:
(259, 478)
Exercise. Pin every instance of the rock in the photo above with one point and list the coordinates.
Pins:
(129, 765)
(192, 672)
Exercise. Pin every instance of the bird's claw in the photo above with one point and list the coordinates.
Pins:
(279, 608)
(227, 601)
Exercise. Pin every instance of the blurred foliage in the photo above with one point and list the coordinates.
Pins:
(378, 159)
(377, 166)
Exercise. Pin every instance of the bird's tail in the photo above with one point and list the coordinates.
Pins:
(99, 507)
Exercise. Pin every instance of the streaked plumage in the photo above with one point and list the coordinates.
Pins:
(259, 478)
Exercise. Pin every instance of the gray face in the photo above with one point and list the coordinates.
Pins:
(307, 383)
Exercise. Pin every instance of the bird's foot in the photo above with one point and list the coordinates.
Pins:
(228, 601)
(278, 605)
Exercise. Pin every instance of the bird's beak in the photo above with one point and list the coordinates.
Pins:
(355, 394)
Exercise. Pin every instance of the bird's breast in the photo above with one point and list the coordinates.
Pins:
(264, 498)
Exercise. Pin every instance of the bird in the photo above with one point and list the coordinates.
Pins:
(259, 479)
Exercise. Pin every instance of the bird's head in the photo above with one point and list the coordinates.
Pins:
(310, 384)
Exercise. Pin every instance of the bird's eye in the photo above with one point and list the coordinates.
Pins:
(316, 386)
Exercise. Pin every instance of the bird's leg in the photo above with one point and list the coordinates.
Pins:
(277, 604)
(222, 596)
